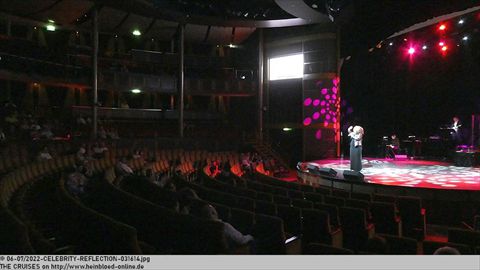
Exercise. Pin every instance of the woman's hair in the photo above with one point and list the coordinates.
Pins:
(358, 129)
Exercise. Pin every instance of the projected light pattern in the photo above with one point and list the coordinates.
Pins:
(326, 109)
(412, 173)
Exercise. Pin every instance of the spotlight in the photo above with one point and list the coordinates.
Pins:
(441, 43)
(461, 21)
(442, 27)
(50, 27)
(390, 44)
(465, 38)
(136, 91)
(411, 50)
(136, 32)
(287, 129)
(444, 48)
(424, 47)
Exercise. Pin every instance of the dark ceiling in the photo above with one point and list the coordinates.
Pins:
(363, 23)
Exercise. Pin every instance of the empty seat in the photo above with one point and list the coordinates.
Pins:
(332, 211)
(384, 198)
(307, 188)
(264, 196)
(413, 217)
(245, 203)
(401, 245)
(242, 220)
(365, 205)
(467, 237)
(429, 247)
(322, 249)
(340, 202)
(385, 218)
(314, 197)
(356, 230)
(269, 235)
(361, 196)
(323, 190)
(302, 203)
(281, 200)
(292, 218)
(340, 193)
(266, 208)
(317, 228)
(295, 194)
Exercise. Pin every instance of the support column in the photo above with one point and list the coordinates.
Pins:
(181, 82)
(95, 72)
(9, 27)
(260, 83)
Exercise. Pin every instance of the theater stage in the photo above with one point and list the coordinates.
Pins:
(410, 173)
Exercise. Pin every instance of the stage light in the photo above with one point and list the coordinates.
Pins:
(50, 27)
(136, 91)
(441, 43)
(287, 129)
(51, 21)
(461, 21)
(390, 44)
(424, 47)
(442, 27)
(411, 50)
(136, 32)
(444, 48)
(465, 38)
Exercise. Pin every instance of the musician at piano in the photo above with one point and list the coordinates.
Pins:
(392, 149)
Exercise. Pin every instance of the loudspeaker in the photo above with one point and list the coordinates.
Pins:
(353, 176)
(327, 172)
(465, 159)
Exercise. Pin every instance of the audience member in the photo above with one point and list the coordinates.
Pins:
(122, 167)
(234, 238)
(446, 251)
(77, 181)
(44, 155)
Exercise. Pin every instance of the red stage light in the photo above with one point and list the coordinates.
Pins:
(442, 27)
(411, 50)
(444, 48)
(441, 43)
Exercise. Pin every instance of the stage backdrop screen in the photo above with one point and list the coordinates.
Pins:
(286, 67)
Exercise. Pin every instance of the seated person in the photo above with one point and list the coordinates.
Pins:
(77, 181)
(186, 197)
(122, 167)
(44, 155)
(235, 239)
(392, 149)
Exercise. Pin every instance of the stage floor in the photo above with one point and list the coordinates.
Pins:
(411, 173)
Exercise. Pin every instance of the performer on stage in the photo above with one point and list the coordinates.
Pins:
(392, 149)
(456, 133)
(356, 135)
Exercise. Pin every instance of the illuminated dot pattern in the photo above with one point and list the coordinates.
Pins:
(413, 173)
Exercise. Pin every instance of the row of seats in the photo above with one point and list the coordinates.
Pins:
(163, 229)
(268, 230)
(14, 233)
(409, 209)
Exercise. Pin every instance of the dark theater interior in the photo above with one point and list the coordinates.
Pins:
(260, 127)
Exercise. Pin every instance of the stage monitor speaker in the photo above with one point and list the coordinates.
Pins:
(466, 159)
(353, 176)
(327, 172)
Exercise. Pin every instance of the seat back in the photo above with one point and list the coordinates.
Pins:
(466, 237)
(323, 249)
(316, 226)
(384, 217)
(332, 211)
(266, 208)
(401, 245)
(292, 218)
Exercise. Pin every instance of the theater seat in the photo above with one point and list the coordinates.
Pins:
(413, 217)
(356, 230)
(323, 249)
(401, 245)
(317, 228)
(385, 218)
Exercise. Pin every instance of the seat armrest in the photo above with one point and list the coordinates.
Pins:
(293, 245)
